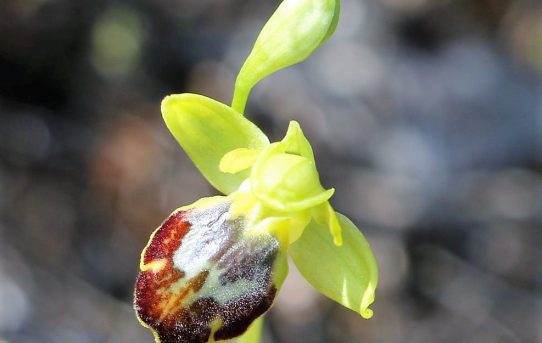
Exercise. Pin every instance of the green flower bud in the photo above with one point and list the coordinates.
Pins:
(293, 33)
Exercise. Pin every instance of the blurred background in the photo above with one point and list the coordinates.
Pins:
(425, 115)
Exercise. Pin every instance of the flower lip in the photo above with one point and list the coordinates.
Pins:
(233, 280)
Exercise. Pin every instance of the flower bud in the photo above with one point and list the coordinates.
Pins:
(293, 33)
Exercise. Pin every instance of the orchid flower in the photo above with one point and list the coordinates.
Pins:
(213, 268)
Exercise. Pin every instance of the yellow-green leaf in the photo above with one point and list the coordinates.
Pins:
(347, 274)
(207, 130)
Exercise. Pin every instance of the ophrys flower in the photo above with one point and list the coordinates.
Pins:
(213, 267)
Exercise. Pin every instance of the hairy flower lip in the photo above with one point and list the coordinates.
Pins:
(205, 291)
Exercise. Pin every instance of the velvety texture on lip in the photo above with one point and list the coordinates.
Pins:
(203, 276)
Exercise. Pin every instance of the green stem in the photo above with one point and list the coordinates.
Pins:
(240, 94)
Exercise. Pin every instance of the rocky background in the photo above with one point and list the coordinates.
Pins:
(425, 115)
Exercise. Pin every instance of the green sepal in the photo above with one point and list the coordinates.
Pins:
(347, 274)
(325, 215)
(294, 32)
(207, 130)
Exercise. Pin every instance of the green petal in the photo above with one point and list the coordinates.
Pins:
(294, 31)
(347, 274)
(207, 130)
(238, 160)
